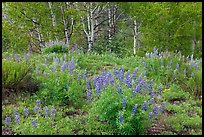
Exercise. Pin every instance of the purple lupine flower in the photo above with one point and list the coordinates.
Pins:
(129, 82)
(150, 55)
(17, 119)
(16, 57)
(151, 93)
(150, 115)
(52, 68)
(38, 101)
(85, 75)
(34, 123)
(156, 52)
(56, 59)
(151, 100)
(160, 88)
(63, 67)
(7, 119)
(124, 101)
(155, 110)
(36, 109)
(95, 80)
(46, 111)
(150, 85)
(15, 112)
(88, 84)
(134, 109)
(144, 106)
(98, 88)
(177, 66)
(104, 72)
(53, 111)
(196, 66)
(121, 118)
(140, 78)
(145, 64)
(144, 73)
(112, 81)
(119, 90)
(163, 106)
(88, 94)
(26, 112)
(79, 76)
(134, 73)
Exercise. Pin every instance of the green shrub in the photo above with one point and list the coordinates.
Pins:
(60, 87)
(109, 106)
(55, 48)
(16, 76)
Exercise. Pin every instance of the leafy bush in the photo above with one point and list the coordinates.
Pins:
(117, 46)
(16, 76)
(128, 110)
(59, 83)
(37, 120)
(55, 48)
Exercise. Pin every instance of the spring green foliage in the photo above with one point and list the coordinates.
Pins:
(55, 48)
(99, 115)
(17, 75)
(161, 24)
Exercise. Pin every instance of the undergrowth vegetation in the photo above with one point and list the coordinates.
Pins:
(81, 93)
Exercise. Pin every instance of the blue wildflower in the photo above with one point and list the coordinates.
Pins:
(88, 94)
(119, 90)
(38, 101)
(53, 111)
(155, 110)
(34, 123)
(46, 111)
(134, 109)
(36, 109)
(26, 112)
(79, 76)
(121, 118)
(124, 101)
(16, 57)
(150, 115)
(7, 119)
(88, 84)
(144, 106)
(15, 112)
(135, 73)
(163, 106)
(17, 119)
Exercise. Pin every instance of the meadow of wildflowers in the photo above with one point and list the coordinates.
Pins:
(124, 97)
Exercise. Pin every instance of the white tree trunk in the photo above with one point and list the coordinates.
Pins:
(53, 18)
(135, 38)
